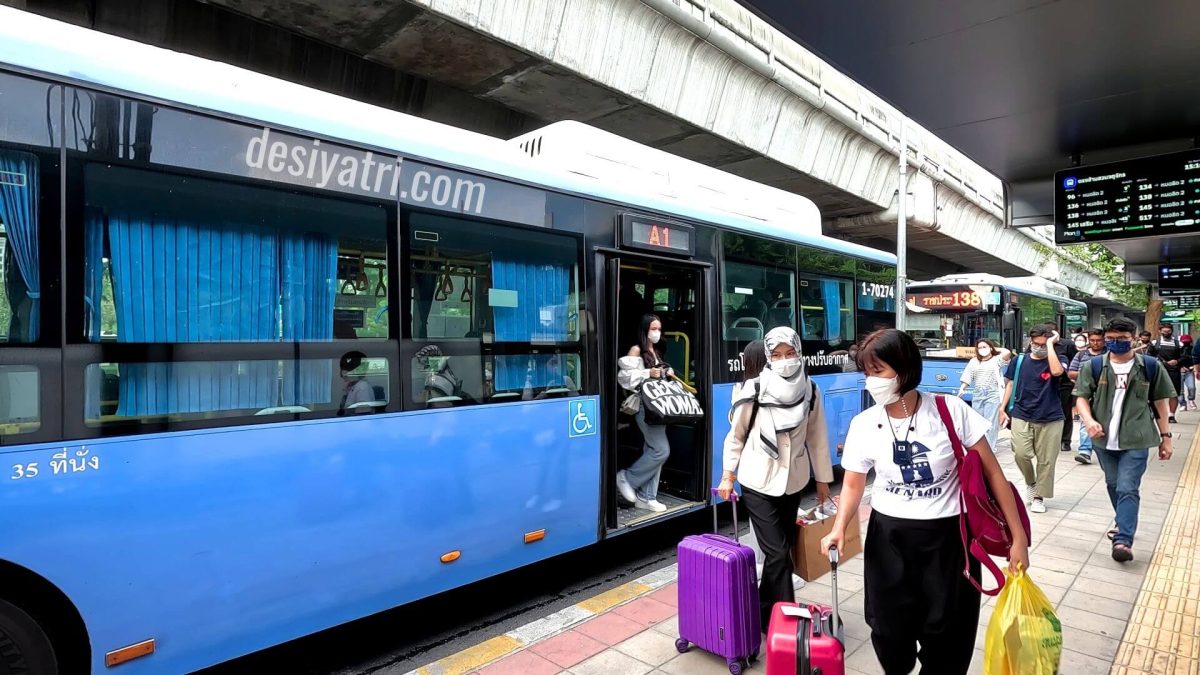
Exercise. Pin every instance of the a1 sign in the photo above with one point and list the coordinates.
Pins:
(657, 235)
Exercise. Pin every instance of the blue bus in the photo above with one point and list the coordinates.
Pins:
(949, 315)
(272, 360)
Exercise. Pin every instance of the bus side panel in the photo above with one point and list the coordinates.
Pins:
(840, 395)
(223, 542)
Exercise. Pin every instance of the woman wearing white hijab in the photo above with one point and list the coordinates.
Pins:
(777, 433)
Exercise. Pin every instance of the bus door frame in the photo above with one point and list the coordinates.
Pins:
(607, 265)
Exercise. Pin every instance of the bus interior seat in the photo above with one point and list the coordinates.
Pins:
(744, 329)
(283, 409)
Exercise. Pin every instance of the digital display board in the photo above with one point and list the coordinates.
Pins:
(658, 235)
(1183, 302)
(1179, 277)
(1151, 196)
(947, 301)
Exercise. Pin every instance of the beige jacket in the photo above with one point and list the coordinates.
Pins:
(804, 447)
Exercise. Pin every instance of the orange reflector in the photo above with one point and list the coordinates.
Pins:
(118, 656)
(531, 537)
(451, 556)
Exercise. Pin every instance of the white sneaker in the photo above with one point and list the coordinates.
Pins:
(625, 488)
(652, 505)
(1038, 506)
(1030, 495)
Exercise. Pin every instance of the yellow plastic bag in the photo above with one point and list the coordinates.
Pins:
(1024, 637)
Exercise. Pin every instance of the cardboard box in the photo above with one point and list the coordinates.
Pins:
(811, 562)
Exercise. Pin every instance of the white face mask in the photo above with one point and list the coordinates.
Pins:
(985, 352)
(786, 367)
(655, 336)
(884, 390)
(1081, 344)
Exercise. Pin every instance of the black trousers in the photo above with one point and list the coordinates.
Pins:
(916, 595)
(774, 523)
(1068, 403)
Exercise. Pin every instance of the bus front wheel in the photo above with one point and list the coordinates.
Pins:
(24, 646)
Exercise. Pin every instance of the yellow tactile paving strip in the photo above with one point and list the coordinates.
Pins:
(1163, 636)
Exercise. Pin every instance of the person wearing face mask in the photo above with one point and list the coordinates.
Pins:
(1187, 393)
(1143, 342)
(1095, 347)
(639, 483)
(777, 436)
(1123, 400)
(1169, 350)
(913, 557)
(1031, 400)
(983, 375)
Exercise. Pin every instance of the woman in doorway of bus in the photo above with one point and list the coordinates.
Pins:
(984, 375)
(639, 483)
(913, 555)
(777, 429)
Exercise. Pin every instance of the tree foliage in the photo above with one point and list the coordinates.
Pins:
(1108, 267)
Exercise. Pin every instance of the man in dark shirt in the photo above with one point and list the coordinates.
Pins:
(1032, 401)
(1066, 350)
(1169, 350)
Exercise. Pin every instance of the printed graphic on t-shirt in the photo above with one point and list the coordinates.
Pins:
(917, 476)
(1122, 380)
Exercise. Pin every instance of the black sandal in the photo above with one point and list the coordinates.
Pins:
(1122, 553)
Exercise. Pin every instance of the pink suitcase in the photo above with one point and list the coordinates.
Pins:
(718, 597)
(807, 639)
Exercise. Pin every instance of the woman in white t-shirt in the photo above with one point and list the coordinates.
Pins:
(913, 556)
(984, 376)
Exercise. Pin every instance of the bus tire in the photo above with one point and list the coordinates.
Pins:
(25, 649)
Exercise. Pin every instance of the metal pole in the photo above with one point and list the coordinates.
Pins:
(902, 229)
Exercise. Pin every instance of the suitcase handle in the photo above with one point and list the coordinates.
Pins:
(733, 499)
(834, 556)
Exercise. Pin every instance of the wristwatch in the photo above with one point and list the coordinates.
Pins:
(1165, 434)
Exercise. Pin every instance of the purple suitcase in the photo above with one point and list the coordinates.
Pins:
(718, 597)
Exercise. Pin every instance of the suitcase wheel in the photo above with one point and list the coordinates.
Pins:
(735, 668)
(682, 645)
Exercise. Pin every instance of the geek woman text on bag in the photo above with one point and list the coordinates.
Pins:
(913, 557)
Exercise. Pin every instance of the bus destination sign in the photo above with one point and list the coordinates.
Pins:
(658, 235)
(1147, 197)
(948, 300)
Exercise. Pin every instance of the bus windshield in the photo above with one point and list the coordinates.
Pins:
(950, 321)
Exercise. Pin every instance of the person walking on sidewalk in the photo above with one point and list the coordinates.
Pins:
(1187, 393)
(1066, 350)
(913, 557)
(983, 375)
(776, 440)
(1031, 400)
(1123, 400)
(1094, 348)
(1169, 351)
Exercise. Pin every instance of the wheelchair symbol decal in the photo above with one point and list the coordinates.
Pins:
(582, 418)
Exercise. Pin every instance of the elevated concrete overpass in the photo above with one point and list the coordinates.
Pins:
(704, 79)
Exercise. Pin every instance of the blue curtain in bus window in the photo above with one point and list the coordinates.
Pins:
(309, 284)
(176, 281)
(529, 301)
(93, 271)
(19, 183)
(148, 389)
(539, 371)
(831, 295)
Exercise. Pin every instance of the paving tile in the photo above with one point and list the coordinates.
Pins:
(646, 611)
(1076, 663)
(610, 628)
(976, 667)
(863, 660)
(1107, 576)
(696, 662)
(650, 647)
(523, 662)
(668, 627)
(1093, 623)
(611, 662)
(1102, 605)
(1090, 643)
(1105, 559)
(1065, 552)
(667, 595)
(855, 625)
(1046, 562)
(568, 649)
(1045, 577)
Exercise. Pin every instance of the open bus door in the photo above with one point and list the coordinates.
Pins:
(674, 291)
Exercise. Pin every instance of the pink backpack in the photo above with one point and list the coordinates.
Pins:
(982, 525)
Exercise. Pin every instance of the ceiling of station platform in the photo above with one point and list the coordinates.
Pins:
(1021, 86)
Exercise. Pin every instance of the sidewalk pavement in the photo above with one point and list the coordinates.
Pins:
(631, 630)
